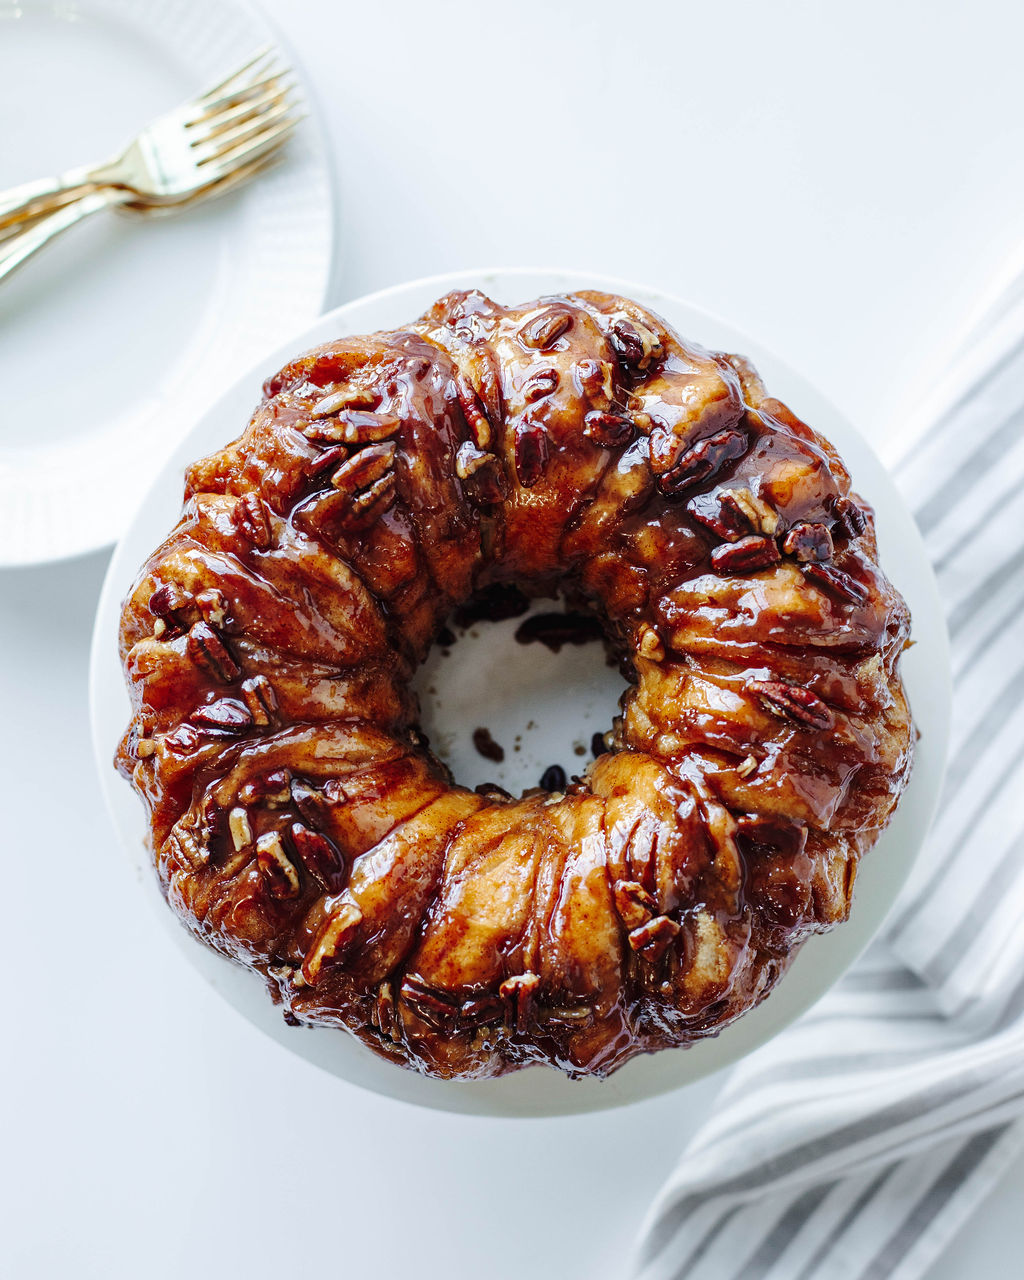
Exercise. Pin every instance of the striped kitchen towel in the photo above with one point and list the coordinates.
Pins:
(858, 1141)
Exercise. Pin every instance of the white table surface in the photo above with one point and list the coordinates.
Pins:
(840, 182)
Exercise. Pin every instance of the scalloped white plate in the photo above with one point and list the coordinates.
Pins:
(565, 702)
(116, 337)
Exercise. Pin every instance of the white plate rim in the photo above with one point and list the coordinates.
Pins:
(540, 1091)
(302, 243)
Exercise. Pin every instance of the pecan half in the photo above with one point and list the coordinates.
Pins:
(703, 460)
(208, 650)
(850, 516)
(370, 504)
(436, 1008)
(183, 740)
(354, 426)
(333, 938)
(518, 993)
(352, 398)
(792, 702)
(365, 467)
(610, 429)
(252, 522)
(634, 343)
(326, 460)
(480, 1011)
(224, 716)
(808, 541)
(473, 411)
(722, 514)
(840, 586)
(745, 556)
(633, 903)
(762, 517)
(186, 847)
(260, 698)
(652, 940)
(540, 385)
(320, 856)
(532, 449)
(544, 331)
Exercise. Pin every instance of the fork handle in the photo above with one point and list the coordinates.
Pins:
(20, 247)
(17, 204)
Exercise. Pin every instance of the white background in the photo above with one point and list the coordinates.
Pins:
(840, 182)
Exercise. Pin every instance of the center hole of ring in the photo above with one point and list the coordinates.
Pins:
(503, 709)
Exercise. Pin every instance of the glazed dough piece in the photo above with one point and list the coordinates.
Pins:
(574, 445)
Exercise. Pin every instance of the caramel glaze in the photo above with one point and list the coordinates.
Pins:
(575, 445)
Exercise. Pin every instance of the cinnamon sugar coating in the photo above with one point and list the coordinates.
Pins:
(574, 445)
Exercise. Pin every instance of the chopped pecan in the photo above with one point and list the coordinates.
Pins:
(260, 698)
(333, 938)
(309, 801)
(436, 1008)
(575, 1015)
(792, 702)
(703, 460)
(610, 429)
(481, 475)
(166, 605)
(634, 343)
(532, 448)
(383, 1015)
(473, 411)
(252, 521)
(144, 747)
(277, 869)
(354, 426)
(840, 586)
(596, 379)
(543, 382)
(518, 993)
(808, 541)
(544, 331)
(352, 398)
(225, 715)
(746, 767)
(320, 856)
(273, 790)
(365, 467)
(240, 828)
(213, 605)
(208, 650)
(633, 903)
(745, 556)
(651, 940)
(650, 645)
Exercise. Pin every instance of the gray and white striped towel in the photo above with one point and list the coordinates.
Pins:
(857, 1142)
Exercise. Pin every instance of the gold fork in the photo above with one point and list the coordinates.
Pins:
(204, 147)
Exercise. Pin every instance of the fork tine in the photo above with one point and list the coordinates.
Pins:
(222, 142)
(231, 96)
(257, 146)
(222, 85)
(215, 123)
